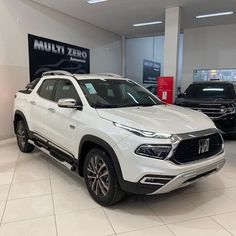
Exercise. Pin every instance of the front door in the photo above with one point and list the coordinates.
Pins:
(63, 122)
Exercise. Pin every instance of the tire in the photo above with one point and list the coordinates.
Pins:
(101, 179)
(22, 136)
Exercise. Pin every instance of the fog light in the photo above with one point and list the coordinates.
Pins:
(156, 180)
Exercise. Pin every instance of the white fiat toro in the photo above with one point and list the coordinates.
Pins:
(116, 134)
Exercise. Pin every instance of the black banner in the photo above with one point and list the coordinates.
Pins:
(46, 54)
(151, 70)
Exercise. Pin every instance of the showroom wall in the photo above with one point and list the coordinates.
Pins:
(150, 48)
(20, 17)
(208, 48)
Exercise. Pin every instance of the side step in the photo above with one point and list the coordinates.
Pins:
(57, 155)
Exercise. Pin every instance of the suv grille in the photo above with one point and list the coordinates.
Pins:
(188, 150)
(214, 111)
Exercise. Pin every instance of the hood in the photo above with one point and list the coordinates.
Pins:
(165, 119)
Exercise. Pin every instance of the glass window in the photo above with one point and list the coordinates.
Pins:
(215, 74)
(32, 84)
(46, 89)
(113, 93)
(65, 89)
(210, 90)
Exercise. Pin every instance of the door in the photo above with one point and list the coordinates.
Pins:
(63, 122)
(39, 107)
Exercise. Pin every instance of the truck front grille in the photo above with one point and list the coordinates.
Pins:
(188, 150)
(214, 111)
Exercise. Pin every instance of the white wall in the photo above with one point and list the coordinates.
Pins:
(208, 48)
(138, 49)
(20, 17)
(150, 48)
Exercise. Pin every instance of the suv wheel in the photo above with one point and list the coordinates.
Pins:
(101, 179)
(22, 137)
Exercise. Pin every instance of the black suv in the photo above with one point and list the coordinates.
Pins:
(216, 99)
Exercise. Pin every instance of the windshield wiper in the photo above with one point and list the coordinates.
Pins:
(139, 105)
(105, 106)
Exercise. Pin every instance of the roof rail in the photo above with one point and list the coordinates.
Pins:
(111, 74)
(57, 72)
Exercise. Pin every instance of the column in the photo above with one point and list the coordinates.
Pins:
(171, 49)
(123, 56)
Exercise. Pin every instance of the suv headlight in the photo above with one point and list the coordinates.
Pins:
(154, 151)
(143, 133)
(230, 110)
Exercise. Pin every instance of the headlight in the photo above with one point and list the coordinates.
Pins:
(230, 110)
(154, 151)
(143, 133)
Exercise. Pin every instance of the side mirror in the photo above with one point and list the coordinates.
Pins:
(69, 103)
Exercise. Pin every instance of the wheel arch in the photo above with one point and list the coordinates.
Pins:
(90, 141)
(19, 116)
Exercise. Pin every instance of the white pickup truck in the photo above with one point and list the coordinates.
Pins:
(116, 134)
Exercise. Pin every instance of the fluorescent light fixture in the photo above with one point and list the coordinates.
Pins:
(215, 14)
(148, 23)
(95, 1)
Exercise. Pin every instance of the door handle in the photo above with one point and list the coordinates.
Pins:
(52, 110)
(33, 102)
(72, 126)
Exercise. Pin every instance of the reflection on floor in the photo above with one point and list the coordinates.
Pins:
(38, 197)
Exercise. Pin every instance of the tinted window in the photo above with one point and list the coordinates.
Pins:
(33, 84)
(210, 90)
(65, 89)
(113, 93)
(152, 89)
(46, 89)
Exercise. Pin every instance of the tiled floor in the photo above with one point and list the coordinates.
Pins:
(40, 198)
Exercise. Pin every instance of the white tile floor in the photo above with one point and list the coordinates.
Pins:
(39, 198)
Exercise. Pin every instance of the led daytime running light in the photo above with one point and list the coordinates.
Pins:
(142, 133)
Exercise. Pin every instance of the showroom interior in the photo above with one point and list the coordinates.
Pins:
(168, 45)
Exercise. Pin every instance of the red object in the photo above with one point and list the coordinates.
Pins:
(165, 87)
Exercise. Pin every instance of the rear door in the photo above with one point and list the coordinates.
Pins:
(39, 107)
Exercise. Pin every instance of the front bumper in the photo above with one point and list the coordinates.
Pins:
(143, 175)
(172, 182)
(190, 177)
(227, 125)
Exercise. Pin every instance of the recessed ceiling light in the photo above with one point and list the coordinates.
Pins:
(215, 14)
(95, 1)
(148, 23)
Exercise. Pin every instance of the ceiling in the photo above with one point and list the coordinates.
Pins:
(118, 16)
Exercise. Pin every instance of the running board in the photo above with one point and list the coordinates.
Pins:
(54, 155)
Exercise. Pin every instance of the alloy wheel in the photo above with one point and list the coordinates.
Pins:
(21, 136)
(98, 176)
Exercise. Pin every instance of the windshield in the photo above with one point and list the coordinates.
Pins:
(113, 93)
(210, 91)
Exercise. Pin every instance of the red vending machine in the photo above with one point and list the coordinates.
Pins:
(165, 89)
